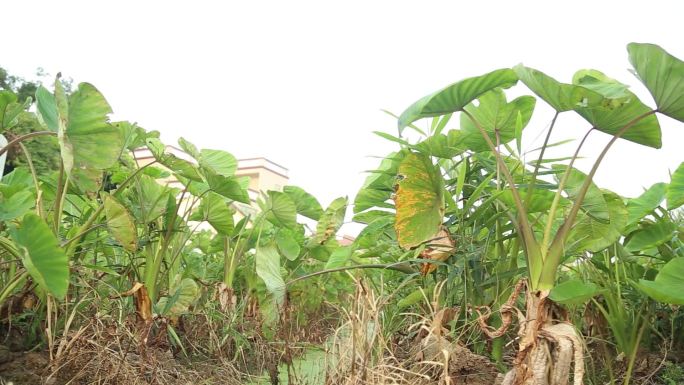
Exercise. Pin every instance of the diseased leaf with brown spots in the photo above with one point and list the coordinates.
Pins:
(419, 201)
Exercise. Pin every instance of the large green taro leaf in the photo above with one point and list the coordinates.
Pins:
(668, 286)
(495, 114)
(88, 137)
(268, 269)
(120, 224)
(287, 243)
(606, 114)
(419, 201)
(45, 261)
(16, 204)
(651, 235)
(281, 210)
(229, 187)
(663, 75)
(618, 108)
(214, 209)
(562, 97)
(218, 162)
(456, 96)
(647, 202)
(307, 204)
(675, 190)
(574, 292)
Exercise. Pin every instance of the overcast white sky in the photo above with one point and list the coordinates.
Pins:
(302, 83)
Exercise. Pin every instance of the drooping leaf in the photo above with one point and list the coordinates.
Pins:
(419, 201)
(675, 190)
(574, 292)
(268, 269)
(45, 261)
(662, 74)
(214, 209)
(330, 222)
(120, 224)
(651, 235)
(456, 96)
(281, 210)
(307, 204)
(593, 204)
(668, 286)
(495, 115)
(646, 202)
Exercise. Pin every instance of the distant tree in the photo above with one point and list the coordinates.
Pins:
(44, 149)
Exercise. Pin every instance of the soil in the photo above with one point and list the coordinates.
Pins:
(23, 368)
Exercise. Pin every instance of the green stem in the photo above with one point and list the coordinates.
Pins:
(397, 266)
(62, 180)
(230, 263)
(557, 247)
(530, 188)
(557, 196)
(34, 176)
(632, 357)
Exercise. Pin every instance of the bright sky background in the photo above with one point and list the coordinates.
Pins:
(302, 83)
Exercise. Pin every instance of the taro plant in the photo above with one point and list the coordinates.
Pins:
(576, 205)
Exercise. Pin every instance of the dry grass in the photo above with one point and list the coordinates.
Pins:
(360, 353)
(110, 353)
